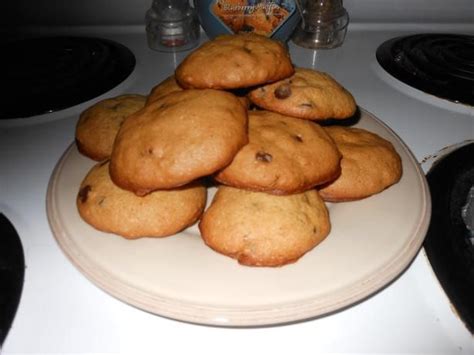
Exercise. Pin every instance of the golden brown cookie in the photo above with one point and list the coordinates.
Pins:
(178, 138)
(284, 155)
(308, 94)
(99, 124)
(369, 165)
(260, 229)
(235, 61)
(170, 85)
(162, 213)
(164, 88)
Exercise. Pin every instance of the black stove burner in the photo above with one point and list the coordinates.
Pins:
(438, 64)
(449, 242)
(43, 75)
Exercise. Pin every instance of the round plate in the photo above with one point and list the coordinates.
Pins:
(371, 242)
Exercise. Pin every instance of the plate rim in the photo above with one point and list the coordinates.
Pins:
(247, 316)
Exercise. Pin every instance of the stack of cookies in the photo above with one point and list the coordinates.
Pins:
(238, 115)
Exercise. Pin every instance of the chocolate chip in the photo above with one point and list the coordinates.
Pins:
(84, 193)
(248, 50)
(283, 91)
(297, 137)
(262, 156)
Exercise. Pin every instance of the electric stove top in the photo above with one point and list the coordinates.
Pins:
(47, 74)
(449, 242)
(440, 64)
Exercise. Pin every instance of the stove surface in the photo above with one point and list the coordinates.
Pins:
(436, 63)
(449, 241)
(63, 72)
(61, 311)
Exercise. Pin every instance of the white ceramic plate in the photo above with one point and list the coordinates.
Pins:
(371, 242)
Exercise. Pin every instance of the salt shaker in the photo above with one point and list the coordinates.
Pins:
(172, 25)
(323, 25)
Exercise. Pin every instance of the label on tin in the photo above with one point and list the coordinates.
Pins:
(258, 16)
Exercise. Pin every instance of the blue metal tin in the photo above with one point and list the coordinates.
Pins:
(276, 19)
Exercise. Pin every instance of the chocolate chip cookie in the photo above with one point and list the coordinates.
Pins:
(164, 88)
(260, 229)
(98, 125)
(235, 61)
(170, 85)
(369, 165)
(178, 138)
(284, 155)
(307, 94)
(111, 209)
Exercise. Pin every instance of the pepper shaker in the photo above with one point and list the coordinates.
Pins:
(172, 25)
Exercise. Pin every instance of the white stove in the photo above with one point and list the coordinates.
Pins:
(62, 312)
